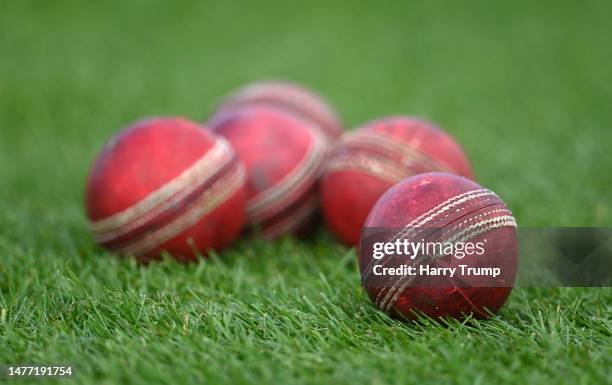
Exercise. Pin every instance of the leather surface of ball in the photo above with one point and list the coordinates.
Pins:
(444, 208)
(166, 185)
(291, 97)
(283, 156)
(364, 164)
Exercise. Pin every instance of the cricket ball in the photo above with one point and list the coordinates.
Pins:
(364, 164)
(291, 97)
(283, 156)
(166, 185)
(458, 223)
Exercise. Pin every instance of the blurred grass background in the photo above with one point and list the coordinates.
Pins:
(525, 86)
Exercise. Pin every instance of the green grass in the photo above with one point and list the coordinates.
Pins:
(526, 88)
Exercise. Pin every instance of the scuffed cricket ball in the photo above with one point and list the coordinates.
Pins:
(166, 185)
(288, 96)
(440, 245)
(283, 156)
(364, 164)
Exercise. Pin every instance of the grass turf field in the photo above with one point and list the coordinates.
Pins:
(526, 87)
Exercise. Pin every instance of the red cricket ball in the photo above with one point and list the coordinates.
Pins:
(291, 97)
(166, 185)
(441, 209)
(366, 163)
(283, 156)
